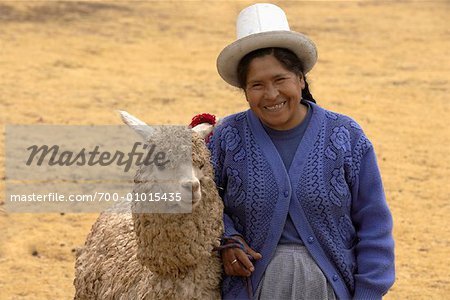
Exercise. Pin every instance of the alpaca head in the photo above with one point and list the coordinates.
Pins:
(188, 164)
(171, 243)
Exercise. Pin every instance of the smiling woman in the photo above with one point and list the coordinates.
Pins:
(302, 191)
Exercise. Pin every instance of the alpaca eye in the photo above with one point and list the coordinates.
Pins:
(201, 166)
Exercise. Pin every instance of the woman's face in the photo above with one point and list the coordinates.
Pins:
(274, 93)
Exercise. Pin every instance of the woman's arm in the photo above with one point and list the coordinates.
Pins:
(373, 223)
(235, 260)
(220, 177)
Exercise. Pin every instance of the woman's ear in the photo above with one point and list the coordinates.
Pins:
(301, 79)
(245, 94)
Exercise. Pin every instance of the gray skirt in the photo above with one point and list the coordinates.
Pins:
(293, 274)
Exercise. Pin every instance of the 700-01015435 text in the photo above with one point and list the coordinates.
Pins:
(97, 196)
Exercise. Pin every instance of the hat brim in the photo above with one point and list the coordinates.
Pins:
(300, 44)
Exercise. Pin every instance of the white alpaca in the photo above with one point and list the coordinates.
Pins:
(157, 256)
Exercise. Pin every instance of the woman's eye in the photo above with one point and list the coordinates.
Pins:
(256, 85)
(281, 79)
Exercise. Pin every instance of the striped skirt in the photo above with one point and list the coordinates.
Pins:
(293, 274)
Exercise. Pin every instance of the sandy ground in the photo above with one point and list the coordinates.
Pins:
(385, 64)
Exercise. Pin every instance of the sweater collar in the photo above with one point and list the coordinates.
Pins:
(268, 148)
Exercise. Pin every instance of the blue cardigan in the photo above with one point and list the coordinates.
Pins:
(333, 184)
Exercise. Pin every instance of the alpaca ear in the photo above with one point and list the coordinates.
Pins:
(137, 125)
(205, 129)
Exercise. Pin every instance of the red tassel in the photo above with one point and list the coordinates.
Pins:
(203, 118)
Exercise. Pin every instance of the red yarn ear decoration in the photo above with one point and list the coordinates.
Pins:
(203, 118)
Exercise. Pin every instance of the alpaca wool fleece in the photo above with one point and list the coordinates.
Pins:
(156, 256)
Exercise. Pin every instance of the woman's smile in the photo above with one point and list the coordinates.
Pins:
(275, 108)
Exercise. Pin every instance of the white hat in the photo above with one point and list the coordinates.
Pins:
(259, 26)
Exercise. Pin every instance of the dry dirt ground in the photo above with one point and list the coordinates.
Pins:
(385, 63)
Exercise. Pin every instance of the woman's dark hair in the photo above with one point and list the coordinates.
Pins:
(286, 57)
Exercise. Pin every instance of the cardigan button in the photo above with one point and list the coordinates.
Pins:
(311, 240)
(335, 277)
(286, 193)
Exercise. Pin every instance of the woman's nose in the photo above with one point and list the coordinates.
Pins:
(271, 92)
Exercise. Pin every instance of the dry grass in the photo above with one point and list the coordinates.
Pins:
(384, 63)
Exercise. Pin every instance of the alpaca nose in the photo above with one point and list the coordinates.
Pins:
(195, 185)
(191, 183)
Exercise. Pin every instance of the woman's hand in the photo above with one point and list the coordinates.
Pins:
(236, 262)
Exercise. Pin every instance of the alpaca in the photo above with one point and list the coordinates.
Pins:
(137, 255)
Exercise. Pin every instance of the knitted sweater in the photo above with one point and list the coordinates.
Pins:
(333, 183)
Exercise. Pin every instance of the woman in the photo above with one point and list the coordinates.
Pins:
(305, 212)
